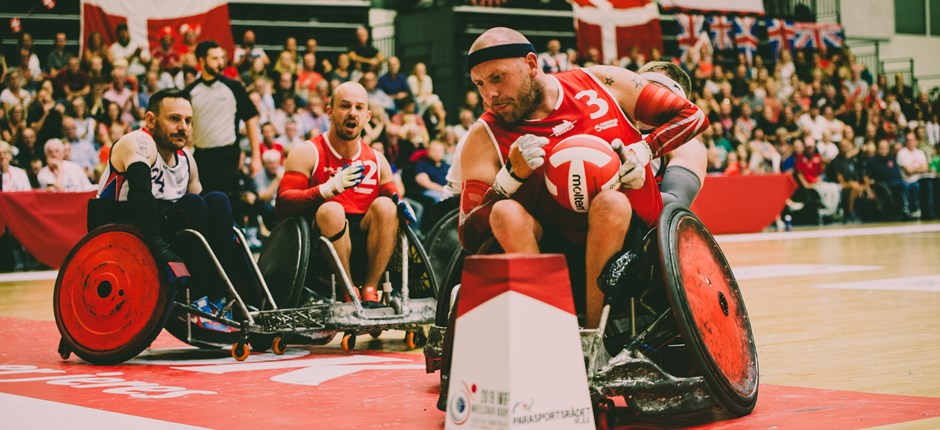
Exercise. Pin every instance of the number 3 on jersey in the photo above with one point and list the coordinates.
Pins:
(592, 100)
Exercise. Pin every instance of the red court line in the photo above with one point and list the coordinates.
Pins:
(372, 396)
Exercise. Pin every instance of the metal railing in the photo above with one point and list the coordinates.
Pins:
(867, 52)
(893, 66)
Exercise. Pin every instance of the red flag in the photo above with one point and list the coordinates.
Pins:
(615, 26)
(148, 21)
(15, 24)
(49, 4)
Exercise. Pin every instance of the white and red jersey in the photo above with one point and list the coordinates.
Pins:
(584, 106)
(355, 200)
(167, 182)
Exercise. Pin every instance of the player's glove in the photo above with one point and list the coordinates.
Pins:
(167, 259)
(633, 159)
(345, 178)
(525, 155)
(404, 208)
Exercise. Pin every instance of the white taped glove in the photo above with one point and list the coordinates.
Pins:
(633, 158)
(530, 146)
(346, 177)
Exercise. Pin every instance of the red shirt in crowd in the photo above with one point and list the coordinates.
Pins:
(811, 166)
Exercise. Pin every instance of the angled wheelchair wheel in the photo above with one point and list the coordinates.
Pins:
(709, 309)
(440, 244)
(284, 261)
(422, 279)
(111, 299)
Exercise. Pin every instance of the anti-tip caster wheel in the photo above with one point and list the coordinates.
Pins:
(241, 351)
(278, 346)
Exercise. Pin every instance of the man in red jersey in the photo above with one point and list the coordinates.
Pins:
(347, 186)
(529, 113)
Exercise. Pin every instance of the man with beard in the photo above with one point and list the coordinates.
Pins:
(152, 181)
(529, 113)
(219, 103)
(348, 187)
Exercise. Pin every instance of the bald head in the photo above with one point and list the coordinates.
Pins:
(348, 111)
(350, 91)
(497, 36)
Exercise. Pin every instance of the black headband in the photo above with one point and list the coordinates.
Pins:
(509, 50)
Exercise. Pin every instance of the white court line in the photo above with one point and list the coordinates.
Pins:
(45, 275)
(27, 413)
(929, 283)
(785, 270)
(817, 234)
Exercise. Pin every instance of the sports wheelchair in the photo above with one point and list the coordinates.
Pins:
(674, 337)
(111, 299)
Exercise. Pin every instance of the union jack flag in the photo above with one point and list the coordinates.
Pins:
(818, 36)
(689, 28)
(780, 33)
(720, 28)
(744, 36)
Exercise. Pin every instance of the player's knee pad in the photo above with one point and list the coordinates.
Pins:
(620, 272)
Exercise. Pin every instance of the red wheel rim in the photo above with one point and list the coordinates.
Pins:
(110, 292)
(715, 306)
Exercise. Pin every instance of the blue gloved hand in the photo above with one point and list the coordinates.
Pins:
(405, 209)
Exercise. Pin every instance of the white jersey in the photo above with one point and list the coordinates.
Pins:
(167, 182)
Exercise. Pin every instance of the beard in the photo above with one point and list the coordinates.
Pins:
(345, 134)
(166, 140)
(531, 96)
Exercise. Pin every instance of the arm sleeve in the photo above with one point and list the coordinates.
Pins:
(142, 205)
(680, 119)
(476, 203)
(295, 196)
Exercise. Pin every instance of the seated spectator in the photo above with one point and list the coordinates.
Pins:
(363, 55)
(247, 52)
(122, 96)
(431, 172)
(285, 90)
(26, 143)
(12, 178)
(314, 119)
(266, 184)
(915, 169)
(471, 102)
(814, 122)
(407, 134)
(435, 119)
(257, 71)
(61, 174)
(422, 88)
(14, 94)
(845, 170)
(81, 152)
(764, 157)
(375, 131)
(809, 173)
(883, 168)
(292, 136)
(286, 113)
(72, 82)
(268, 143)
(826, 148)
(461, 128)
(343, 72)
(933, 130)
(285, 64)
(166, 55)
(307, 76)
(376, 96)
(394, 83)
(95, 48)
(13, 123)
(126, 49)
(58, 58)
(554, 60)
(733, 165)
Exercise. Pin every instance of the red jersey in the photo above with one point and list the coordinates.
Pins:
(355, 200)
(584, 106)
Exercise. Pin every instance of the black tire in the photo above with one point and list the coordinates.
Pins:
(709, 310)
(440, 244)
(284, 262)
(111, 299)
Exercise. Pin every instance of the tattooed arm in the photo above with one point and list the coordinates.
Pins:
(131, 148)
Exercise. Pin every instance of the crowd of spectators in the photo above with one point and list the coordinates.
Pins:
(858, 144)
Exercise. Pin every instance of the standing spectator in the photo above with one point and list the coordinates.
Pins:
(422, 88)
(246, 53)
(915, 169)
(394, 83)
(58, 58)
(14, 94)
(121, 95)
(554, 60)
(363, 55)
(72, 82)
(219, 103)
(12, 178)
(81, 152)
(61, 174)
(431, 172)
(167, 55)
(128, 50)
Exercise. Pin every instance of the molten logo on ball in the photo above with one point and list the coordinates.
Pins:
(578, 168)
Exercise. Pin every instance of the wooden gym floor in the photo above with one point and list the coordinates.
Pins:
(847, 324)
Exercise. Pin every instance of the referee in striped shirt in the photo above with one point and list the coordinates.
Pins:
(219, 103)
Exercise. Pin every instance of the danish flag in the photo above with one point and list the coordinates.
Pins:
(689, 28)
(744, 36)
(616, 26)
(720, 28)
(49, 4)
(818, 35)
(780, 34)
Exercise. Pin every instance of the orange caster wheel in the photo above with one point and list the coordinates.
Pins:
(278, 346)
(411, 340)
(240, 351)
(349, 342)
